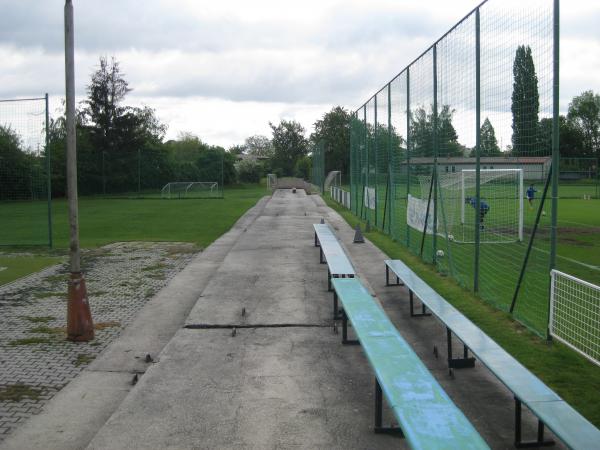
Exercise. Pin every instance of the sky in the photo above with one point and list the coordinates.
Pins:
(224, 70)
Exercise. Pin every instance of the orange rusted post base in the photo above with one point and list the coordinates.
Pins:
(80, 326)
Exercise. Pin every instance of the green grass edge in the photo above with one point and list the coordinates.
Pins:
(569, 374)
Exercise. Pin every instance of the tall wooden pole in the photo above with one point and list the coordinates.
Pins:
(79, 319)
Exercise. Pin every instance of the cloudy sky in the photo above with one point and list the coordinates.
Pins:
(224, 69)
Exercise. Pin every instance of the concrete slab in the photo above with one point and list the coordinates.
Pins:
(75, 415)
(263, 388)
(88, 408)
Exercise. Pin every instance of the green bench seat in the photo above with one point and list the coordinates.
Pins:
(427, 417)
(551, 410)
(332, 253)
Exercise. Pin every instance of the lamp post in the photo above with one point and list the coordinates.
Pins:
(79, 318)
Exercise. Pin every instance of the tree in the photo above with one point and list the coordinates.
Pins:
(488, 144)
(421, 129)
(571, 142)
(248, 171)
(584, 114)
(15, 167)
(303, 168)
(289, 145)
(525, 103)
(106, 91)
(259, 146)
(333, 130)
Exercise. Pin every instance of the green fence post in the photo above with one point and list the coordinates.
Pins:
(477, 151)
(375, 135)
(390, 192)
(48, 172)
(435, 153)
(407, 150)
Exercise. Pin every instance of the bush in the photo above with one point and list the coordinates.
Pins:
(248, 171)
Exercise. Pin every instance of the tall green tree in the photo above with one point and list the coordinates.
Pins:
(289, 145)
(571, 142)
(525, 103)
(421, 129)
(584, 113)
(488, 144)
(333, 130)
(106, 92)
(259, 146)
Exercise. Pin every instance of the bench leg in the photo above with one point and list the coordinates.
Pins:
(321, 260)
(379, 428)
(458, 363)
(345, 339)
(387, 278)
(423, 312)
(328, 280)
(540, 442)
(336, 311)
(316, 241)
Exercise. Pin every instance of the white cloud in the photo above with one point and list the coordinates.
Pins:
(224, 69)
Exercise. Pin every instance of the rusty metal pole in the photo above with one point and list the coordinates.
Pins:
(79, 318)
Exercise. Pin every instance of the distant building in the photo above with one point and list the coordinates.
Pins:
(535, 168)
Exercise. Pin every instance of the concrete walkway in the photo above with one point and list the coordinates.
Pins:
(255, 363)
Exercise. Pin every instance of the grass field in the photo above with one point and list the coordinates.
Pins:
(106, 220)
(572, 376)
(578, 249)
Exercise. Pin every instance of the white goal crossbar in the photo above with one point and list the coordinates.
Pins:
(185, 189)
(575, 314)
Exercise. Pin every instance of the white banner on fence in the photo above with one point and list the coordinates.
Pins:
(416, 213)
(369, 200)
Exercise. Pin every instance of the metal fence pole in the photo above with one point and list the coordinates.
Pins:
(48, 172)
(408, 142)
(477, 151)
(435, 152)
(376, 138)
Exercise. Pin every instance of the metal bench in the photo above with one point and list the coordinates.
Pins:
(427, 417)
(551, 410)
(332, 254)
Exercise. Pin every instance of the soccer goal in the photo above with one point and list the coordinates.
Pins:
(500, 215)
(271, 181)
(575, 314)
(192, 189)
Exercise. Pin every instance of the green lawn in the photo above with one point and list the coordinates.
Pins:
(14, 267)
(572, 376)
(106, 220)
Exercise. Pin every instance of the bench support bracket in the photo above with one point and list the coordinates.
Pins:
(423, 312)
(379, 428)
(316, 240)
(321, 259)
(458, 363)
(539, 442)
(336, 310)
(387, 278)
(345, 339)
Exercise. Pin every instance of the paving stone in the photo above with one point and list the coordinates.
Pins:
(120, 279)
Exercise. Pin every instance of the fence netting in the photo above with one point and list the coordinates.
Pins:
(24, 176)
(444, 157)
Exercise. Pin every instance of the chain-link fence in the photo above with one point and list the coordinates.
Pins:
(141, 173)
(25, 204)
(453, 157)
(318, 166)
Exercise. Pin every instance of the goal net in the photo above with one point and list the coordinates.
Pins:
(575, 314)
(500, 215)
(195, 189)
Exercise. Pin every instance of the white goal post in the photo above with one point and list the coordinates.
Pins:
(487, 176)
(190, 189)
(501, 200)
(575, 314)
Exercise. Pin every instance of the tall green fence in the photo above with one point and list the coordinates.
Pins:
(25, 201)
(443, 155)
(318, 165)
